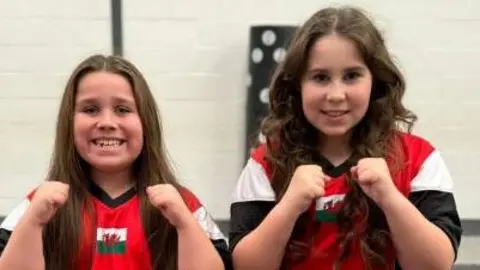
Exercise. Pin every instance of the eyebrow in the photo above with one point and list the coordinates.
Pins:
(117, 99)
(357, 68)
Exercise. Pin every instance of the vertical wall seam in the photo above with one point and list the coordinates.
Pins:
(117, 27)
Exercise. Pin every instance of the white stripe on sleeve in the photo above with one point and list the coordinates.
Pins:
(208, 224)
(433, 175)
(15, 215)
(253, 184)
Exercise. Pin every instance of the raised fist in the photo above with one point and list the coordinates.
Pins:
(47, 199)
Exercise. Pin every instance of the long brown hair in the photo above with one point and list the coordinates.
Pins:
(63, 235)
(374, 136)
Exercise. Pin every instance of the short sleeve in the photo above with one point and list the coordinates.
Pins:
(432, 194)
(10, 222)
(210, 227)
(253, 199)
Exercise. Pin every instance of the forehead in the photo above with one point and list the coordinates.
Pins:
(102, 84)
(334, 51)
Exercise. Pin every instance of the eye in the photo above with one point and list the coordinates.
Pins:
(321, 78)
(90, 109)
(351, 76)
(123, 109)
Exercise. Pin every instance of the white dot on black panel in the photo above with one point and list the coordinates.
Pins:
(268, 37)
(263, 95)
(279, 54)
(257, 55)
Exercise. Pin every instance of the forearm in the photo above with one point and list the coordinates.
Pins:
(24, 250)
(419, 243)
(264, 247)
(195, 250)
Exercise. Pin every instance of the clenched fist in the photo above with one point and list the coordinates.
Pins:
(168, 200)
(48, 198)
(306, 185)
(373, 176)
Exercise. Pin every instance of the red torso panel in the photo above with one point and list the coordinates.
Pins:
(120, 241)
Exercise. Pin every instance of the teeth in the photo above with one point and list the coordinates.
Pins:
(108, 143)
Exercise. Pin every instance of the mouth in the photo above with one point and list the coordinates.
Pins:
(334, 113)
(108, 143)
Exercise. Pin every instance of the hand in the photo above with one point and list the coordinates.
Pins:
(48, 198)
(373, 177)
(168, 200)
(306, 185)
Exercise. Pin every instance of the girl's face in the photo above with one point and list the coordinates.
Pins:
(107, 127)
(336, 86)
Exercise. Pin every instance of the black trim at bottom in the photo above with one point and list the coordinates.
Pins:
(471, 227)
(466, 267)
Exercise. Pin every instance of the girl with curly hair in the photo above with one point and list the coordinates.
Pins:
(341, 182)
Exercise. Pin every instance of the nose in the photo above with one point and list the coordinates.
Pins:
(337, 92)
(106, 121)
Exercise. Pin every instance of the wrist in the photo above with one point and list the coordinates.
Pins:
(30, 220)
(393, 201)
(187, 222)
(287, 208)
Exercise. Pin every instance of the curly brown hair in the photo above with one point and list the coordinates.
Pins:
(64, 235)
(373, 136)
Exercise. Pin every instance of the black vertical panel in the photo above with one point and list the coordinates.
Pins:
(268, 44)
(116, 25)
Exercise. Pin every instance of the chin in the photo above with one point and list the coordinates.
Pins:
(110, 166)
(335, 132)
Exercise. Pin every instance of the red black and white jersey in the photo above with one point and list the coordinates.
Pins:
(120, 241)
(423, 178)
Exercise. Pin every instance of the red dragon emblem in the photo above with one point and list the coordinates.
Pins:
(110, 239)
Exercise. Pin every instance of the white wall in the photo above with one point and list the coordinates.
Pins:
(40, 43)
(194, 54)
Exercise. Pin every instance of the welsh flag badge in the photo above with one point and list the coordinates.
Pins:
(111, 241)
(327, 207)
